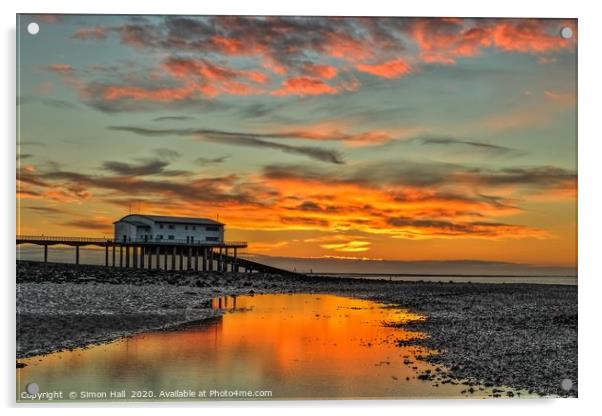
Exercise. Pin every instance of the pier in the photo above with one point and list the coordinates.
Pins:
(160, 254)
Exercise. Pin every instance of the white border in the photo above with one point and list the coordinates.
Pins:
(590, 272)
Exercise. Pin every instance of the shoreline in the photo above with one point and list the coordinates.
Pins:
(503, 334)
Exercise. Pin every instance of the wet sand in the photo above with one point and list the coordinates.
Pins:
(517, 335)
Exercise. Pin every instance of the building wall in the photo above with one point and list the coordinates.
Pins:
(168, 231)
(192, 232)
(125, 229)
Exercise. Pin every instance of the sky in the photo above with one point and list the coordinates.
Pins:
(361, 138)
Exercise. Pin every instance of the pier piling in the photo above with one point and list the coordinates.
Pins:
(220, 256)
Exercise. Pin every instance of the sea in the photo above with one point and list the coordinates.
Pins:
(459, 272)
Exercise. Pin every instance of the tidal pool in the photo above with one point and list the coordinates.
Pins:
(267, 347)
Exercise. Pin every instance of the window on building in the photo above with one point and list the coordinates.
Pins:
(212, 228)
(211, 239)
(171, 237)
(194, 227)
(171, 226)
(160, 236)
(185, 227)
(161, 226)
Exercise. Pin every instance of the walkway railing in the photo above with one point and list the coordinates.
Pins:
(53, 238)
(104, 241)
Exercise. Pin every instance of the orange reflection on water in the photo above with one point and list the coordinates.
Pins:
(298, 346)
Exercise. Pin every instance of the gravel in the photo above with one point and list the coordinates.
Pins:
(517, 335)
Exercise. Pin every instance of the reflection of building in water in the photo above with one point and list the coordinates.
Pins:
(224, 302)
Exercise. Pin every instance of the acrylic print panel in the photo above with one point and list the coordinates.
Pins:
(273, 208)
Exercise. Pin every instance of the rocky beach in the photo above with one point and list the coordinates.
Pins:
(522, 336)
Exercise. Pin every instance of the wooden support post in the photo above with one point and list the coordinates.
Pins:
(210, 259)
(142, 250)
(181, 258)
(127, 256)
(113, 254)
(106, 256)
(76, 254)
(204, 259)
(173, 258)
(157, 257)
(45, 253)
(120, 256)
(196, 259)
(135, 257)
(165, 258)
(149, 253)
(226, 260)
(189, 259)
(235, 261)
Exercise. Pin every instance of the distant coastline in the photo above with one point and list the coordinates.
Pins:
(458, 278)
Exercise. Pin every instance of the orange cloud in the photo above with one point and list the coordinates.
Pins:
(332, 131)
(229, 46)
(63, 69)
(444, 40)
(390, 69)
(159, 94)
(183, 67)
(321, 71)
(90, 32)
(344, 46)
(304, 86)
(528, 35)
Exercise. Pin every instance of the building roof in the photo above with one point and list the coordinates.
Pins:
(137, 223)
(178, 220)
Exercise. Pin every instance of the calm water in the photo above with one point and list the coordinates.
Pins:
(294, 346)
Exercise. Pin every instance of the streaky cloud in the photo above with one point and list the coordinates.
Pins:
(240, 139)
(446, 141)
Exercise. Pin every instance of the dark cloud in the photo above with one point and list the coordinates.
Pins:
(309, 206)
(173, 118)
(150, 167)
(89, 224)
(45, 210)
(50, 102)
(168, 154)
(305, 221)
(427, 175)
(324, 155)
(443, 197)
(240, 139)
(61, 104)
(500, 150)
(256, 110)
(216, 190)
(211, 161)
(451, 228)
(542, 176)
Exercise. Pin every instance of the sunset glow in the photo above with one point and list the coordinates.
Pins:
(383, 138)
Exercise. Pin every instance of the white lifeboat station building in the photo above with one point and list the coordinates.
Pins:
(145, 241)
(163, 229)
